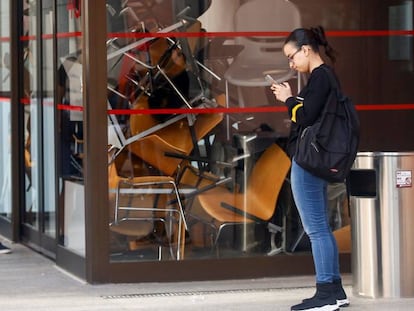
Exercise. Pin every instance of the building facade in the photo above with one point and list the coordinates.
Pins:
(139, 137)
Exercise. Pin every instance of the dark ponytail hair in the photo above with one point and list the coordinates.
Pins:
(314, 37)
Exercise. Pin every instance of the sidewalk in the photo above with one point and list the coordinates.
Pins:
(30, 281)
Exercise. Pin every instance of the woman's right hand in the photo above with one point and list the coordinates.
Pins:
(281, 91)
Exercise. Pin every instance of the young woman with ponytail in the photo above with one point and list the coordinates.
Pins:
(303, 50)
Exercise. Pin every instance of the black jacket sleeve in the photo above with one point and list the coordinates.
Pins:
(306, 108)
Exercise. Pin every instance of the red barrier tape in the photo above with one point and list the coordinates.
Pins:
(225, 34)
(198, 110)
(359, 107)
(233, 110)
(385, 107)
(353, 33)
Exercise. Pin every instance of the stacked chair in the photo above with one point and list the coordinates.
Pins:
(155, 73)
(164, 72)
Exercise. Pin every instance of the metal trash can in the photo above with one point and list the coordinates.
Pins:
(382, 224)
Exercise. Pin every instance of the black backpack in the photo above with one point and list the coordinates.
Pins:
(328, 148)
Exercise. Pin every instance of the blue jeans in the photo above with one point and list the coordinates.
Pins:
(310, 195)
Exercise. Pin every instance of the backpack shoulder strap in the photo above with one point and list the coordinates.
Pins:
(333, 81)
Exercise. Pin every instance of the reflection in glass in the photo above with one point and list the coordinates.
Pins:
(230, 170)
(70, 127)
(48, 125)
(31, 117)
(149, 220)
(5, 125)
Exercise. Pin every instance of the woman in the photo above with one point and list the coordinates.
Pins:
(302, 48)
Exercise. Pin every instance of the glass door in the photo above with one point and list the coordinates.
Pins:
(5, 124)
(37, 94)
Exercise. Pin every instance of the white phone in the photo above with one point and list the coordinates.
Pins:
(270, 79)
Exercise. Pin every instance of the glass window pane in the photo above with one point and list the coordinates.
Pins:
(70, 127)
(154, 137)
(168, 63)
(5, 125)
(31, 114)
(48, 117)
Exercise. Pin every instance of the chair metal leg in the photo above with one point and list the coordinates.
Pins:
(182, 243)
(159, 252)
(300, 237)
(273, 229)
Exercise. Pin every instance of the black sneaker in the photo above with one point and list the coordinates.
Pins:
(338, 292)
(323, 300)
(340, 295)
(316, 305)
(4, 249)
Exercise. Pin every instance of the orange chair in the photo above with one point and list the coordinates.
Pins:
(177, 138)
(140, 202)
(257, 204)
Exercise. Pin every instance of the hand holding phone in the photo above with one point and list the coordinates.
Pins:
(281, 91)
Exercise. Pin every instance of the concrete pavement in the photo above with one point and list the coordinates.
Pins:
(30, 281)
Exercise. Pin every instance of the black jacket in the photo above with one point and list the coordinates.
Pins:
(306, 108)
